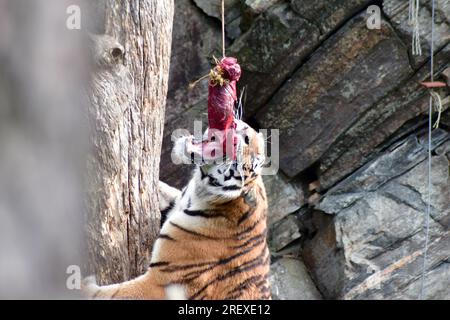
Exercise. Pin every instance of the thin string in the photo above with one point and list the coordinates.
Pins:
(413, 18)
(194, 83)
(223, 28)
(430, 120)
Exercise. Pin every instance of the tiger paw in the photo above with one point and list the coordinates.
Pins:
(89, 287)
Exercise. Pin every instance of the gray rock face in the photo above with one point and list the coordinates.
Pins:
(284, 198)
(446, 119)
(213, 8)
(355, 146)
(323, 98)
(290, 281)
(259, 6)
(274, 45)
(437, 284)
(283, 233)
(281, 38)
(327, 15)
(376, 237)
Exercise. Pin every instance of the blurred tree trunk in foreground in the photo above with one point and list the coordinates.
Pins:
(42, 148)
(128, 96)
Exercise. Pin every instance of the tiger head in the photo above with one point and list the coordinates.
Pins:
(227, 161)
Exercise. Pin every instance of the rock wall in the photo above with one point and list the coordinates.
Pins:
(347, 205)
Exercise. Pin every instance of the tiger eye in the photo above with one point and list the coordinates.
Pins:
(247, 140)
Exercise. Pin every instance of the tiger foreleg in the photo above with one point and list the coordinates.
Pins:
(136, 289)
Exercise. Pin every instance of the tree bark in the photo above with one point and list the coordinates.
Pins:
(128, 98)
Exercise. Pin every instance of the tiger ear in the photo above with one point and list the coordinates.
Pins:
(179, 153)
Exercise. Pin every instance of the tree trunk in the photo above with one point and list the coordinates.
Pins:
(128, 98)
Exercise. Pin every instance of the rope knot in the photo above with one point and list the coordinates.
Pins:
(226, 70)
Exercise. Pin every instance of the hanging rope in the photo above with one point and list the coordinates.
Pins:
(212, 75)
(223, 28)
(430, 120)
(413, 18)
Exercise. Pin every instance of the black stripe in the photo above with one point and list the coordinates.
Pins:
(193, 232)
(192, 275)
(264, 281)
(235, 296)
(199, 213)
(239, 254)
(229, 188)
(226, 178)
(196, 213)
(264, 289)
(189, 203)
(251, 264)
(261, 284)
(233, 272)
(185, 267)
(159, 264)
(245, 284)
(214, 182)
(195, 274)
(252, 239)
(188, 277)
(248, 182)
(203, 175)
(166, 237)
(166, 211)
(261, 193)
(242, 234)
(245, 216)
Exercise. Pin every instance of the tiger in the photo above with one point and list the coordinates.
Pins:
(212, 244)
